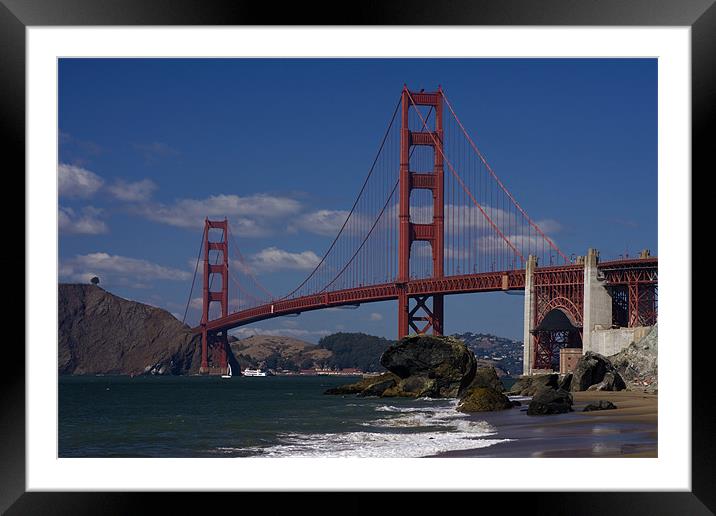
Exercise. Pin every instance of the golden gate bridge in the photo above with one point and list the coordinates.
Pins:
(431, 219)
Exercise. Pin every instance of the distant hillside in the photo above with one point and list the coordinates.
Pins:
(100, 333)
(276, 352)
(355, 350)
(337, 351)
(503, 353)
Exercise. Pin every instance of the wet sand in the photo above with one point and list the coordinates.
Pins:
(630, 430)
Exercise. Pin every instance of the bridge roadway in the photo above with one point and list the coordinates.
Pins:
(483, 282)
(462, 284)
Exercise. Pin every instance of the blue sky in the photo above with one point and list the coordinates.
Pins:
(149, 147)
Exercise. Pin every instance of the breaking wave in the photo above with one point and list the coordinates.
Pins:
(404, 432)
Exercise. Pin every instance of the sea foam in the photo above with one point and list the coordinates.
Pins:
(403, 432)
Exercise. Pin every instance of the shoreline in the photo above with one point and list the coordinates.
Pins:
(630, 430)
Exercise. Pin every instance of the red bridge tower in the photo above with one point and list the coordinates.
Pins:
(218, 341)
(409, 232)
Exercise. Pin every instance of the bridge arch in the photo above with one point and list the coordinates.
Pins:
(557, 329)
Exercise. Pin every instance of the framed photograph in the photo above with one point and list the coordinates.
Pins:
(428, 244)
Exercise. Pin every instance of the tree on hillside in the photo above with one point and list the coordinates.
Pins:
(355, 350)
(95, 280)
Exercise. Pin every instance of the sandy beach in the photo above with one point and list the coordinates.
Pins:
(630, 430)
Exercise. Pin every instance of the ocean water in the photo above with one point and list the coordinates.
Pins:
(115, 416)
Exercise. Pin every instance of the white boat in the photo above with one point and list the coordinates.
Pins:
(254, 372)
(228, 373)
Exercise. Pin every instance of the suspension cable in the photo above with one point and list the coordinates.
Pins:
(196, 269)
(467, 190)
(375, 223)
(247, 269)
(487, 165)
(340, 232)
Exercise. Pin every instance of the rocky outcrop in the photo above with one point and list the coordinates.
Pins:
(486, 377)
(372, 385)
(565, 382)
(100, 333)
(611, 382)
(599, 405)
(550, 401)
(483, 399)
(413, 387)
(435, 366)
(638, 364)
(529, 385)
(595, 369)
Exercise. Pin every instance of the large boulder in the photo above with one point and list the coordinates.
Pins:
(550, 401)
(483, 399)
(592, 369)
(529, 385)
(444, 360)
(638, 363)
(414, 387)
(486, 376)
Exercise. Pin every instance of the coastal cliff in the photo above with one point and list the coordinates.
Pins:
(100, 333)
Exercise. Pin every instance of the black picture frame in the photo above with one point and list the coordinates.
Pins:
(700, 15)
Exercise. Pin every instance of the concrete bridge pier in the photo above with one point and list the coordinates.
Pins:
(597, 301)
(530, 307)
(595, 305)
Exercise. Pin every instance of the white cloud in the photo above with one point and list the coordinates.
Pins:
(77, 182)
(117, 270)
(273, 258)
(132, 192)
(155, 150)
(375, 316)
(249, 216)
(87, 222)
(549, 226)
(321, 222)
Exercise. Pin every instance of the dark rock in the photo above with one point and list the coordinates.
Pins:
(377, 388)
(486, 377)
(372, 383)
(413, 387)
(592, 369)
(611, 382)
(599, 405)
(529, 385)
(565, 382)
(638, 364)
(100, 333)
(483, 399)
(550, 401)
(445, 360)
(516, 403)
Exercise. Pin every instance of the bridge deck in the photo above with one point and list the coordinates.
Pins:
(482, 282)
